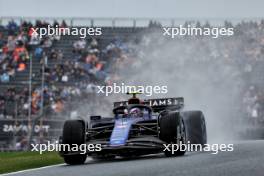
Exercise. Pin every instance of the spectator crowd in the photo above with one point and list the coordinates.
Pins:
(64, 78)
(93, 61)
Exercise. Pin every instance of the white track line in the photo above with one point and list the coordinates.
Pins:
(27, 170)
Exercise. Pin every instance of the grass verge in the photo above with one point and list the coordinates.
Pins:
(16, 161)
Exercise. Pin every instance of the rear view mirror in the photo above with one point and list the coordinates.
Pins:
(95, 117)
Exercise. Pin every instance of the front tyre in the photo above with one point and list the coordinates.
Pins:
(74, 133)
(75, 159)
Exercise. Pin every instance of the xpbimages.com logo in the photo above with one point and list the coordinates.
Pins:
(213, 148)
(58, 147)
(190, 30)
(83, 32)
(122, 88)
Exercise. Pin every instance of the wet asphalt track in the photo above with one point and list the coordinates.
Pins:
(247, 159)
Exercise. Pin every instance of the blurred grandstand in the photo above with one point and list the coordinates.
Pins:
(44, 81)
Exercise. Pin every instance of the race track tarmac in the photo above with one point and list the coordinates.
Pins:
(247, 159)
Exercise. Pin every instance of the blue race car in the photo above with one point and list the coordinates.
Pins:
(137, 128)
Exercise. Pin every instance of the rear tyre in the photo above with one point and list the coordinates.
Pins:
(74, 133)
(172, 131)
(196, 127)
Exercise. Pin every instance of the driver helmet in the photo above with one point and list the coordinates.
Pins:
(135, 112)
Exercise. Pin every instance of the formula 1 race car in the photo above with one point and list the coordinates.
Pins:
(137, 128)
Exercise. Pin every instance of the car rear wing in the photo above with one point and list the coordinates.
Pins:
(159, 104)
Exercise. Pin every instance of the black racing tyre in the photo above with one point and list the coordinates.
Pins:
(75, 159)
(102, 157)
(170, 125)
(196, 127)
(74, 133)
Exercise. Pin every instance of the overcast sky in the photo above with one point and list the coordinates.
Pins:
(134, 8)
